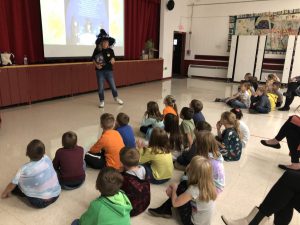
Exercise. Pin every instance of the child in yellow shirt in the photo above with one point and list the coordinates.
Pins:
(157, 157)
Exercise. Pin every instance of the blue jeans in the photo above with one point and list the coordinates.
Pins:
(107, 75)
(35, 202)
(262, 109)
(238, 104)
(41, 203)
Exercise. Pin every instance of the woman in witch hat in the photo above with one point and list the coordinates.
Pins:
(104, 58)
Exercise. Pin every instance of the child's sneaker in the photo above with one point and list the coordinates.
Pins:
(101, 105)
(161, 211)
(253, 111)
(119, 101)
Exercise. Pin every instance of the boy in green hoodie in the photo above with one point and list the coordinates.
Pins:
(112, 207)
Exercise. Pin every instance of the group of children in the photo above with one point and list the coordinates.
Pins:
(128, 166)
(256, 98)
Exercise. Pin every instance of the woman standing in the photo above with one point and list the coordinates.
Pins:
(104, 58)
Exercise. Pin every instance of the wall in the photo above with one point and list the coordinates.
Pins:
(210, 22)
(170, 22)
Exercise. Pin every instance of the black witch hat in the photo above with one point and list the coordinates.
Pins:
(103, 36)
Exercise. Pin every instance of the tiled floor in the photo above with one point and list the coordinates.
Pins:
(247, 181)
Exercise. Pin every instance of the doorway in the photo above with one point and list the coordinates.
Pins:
(178, 54)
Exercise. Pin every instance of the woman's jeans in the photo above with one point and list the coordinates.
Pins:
(107, 75)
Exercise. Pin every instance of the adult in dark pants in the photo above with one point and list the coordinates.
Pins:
(292, 91)
(104, 58)
(282, 199)
(291, 131)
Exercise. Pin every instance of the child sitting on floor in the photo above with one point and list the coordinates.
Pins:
(170, 105)
(230, 138)
(152, 118)
(187, 127)
(185, 158)
(110, 143)
(240, 99)
(262, 103)
(193, 198)
(245, 132)
(197, 106)
(112, 207)
(68, 162)
(270, 79)
(253, 82)
(36, 180)
(136, 182)
(125, 130)
(207, 146)
(157, 157)
(175, 137)
(276, 90)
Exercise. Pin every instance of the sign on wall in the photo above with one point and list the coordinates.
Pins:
(277, 26)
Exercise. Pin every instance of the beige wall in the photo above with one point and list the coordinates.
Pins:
(209, 24)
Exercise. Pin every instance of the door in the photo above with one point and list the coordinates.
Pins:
(178, 53)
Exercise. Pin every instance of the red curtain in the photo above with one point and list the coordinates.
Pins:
(141, 24)
(21, 29)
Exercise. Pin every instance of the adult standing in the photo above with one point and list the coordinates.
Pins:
(104, 58)
(292, 91)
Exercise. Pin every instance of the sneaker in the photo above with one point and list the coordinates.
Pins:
(158, 212)
(218, 100)
(253, 111)
(284, 109)
(119, 101)
(101, 105)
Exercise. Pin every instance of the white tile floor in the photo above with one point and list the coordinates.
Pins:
(247, 181)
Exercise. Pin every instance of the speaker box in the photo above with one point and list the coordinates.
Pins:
(170, 5)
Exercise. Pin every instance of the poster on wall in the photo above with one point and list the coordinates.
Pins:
(277, 26)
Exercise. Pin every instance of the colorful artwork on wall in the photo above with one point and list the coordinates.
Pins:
(276, 25)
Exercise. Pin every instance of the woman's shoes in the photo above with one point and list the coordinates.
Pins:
(284, 167)
(264, 142)
(246, 220)
(160, 212)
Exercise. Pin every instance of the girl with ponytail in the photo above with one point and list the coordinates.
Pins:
(230, 137)
(170, 105)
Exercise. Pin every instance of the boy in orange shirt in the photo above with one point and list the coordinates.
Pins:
(106, 151)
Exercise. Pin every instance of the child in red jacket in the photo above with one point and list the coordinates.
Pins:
(136, 182)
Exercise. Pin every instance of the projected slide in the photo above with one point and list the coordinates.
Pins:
(70, 26)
